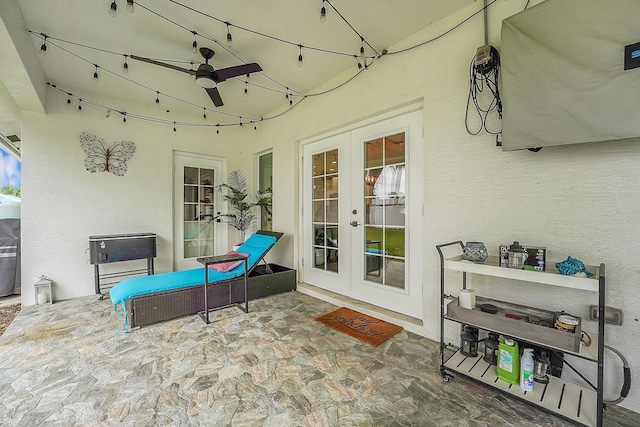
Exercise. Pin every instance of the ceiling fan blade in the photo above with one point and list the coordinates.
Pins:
(162, 64)
(239, 70)
(215, 96)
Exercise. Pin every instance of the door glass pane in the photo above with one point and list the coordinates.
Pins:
(325, 210)
(198, 208)
(384, 201)
(265, 182)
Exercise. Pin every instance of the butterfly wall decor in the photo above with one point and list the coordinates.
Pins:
(103, 157)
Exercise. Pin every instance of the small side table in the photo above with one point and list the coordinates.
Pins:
(219, 259)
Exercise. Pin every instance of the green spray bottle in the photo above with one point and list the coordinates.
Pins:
(508, 367)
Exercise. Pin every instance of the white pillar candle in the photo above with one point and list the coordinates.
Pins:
(467, 298)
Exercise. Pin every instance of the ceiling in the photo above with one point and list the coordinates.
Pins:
(83, 34)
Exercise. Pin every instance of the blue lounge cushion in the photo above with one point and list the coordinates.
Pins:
(256, 246)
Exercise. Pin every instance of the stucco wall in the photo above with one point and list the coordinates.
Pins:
(577, 200)
(64, 204)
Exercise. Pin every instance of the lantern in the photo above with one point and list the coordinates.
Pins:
(469, 341)
(44, 293)
(491, 348)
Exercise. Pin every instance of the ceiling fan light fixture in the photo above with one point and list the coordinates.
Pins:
(205, 81)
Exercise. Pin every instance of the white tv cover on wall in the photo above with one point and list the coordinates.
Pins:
(563, 76)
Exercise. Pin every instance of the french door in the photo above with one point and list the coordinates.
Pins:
(196, 202)
(362, 213)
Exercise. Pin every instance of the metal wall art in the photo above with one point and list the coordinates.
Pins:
(103, 157)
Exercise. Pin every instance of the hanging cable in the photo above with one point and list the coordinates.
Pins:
(483, 77)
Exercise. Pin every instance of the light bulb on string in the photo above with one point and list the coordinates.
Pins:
(204, 113)
(174, 127)
(300, 62)
(157, 97)
(79, 104)
(246, 88)
(68, 98)
(229, 37)
(130, 7)
(95, 74)
(255, 126)
(363, 57)
(194, 45)
(218, 129)
(125, 66)
(43, 47)
(113, 9)
(323, 13)
(291, 100)
(358, 61)
(124, 117)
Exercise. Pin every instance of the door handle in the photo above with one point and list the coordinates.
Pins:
(354, 223)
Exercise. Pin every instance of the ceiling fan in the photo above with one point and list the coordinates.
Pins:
(206, 75)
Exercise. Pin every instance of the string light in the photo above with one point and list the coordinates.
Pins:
(300, 56)
(174, 127)
(69, 99)
(130, 7)
(362, 55)
(194, 45)
(204, 113)
(229, 37)
(157, 97)
(95, 74)
(113, 9)
(79, 104)
(43, 47)
(323, 13)
(218, 129)
(358, 61)
(125, 66)
(124, 117)
(246, 88)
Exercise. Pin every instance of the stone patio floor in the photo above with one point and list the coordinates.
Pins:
(65, 364)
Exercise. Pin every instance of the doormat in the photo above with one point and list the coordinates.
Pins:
(365, 328)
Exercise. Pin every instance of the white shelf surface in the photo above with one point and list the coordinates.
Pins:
(564, 398)
(550, 277)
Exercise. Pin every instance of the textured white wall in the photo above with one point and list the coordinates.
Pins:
(64, 204)
(580, 200)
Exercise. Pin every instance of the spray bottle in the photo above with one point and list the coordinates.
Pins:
(526, 370)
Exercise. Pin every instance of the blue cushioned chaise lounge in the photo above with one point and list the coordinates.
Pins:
(151, 299)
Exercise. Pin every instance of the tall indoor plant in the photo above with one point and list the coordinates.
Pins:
(241, 215)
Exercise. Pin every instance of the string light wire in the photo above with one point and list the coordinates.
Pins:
(287, 92)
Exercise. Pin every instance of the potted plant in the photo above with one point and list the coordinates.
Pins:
(242, 215)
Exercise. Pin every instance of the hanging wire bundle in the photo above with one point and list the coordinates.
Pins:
(484, 78)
